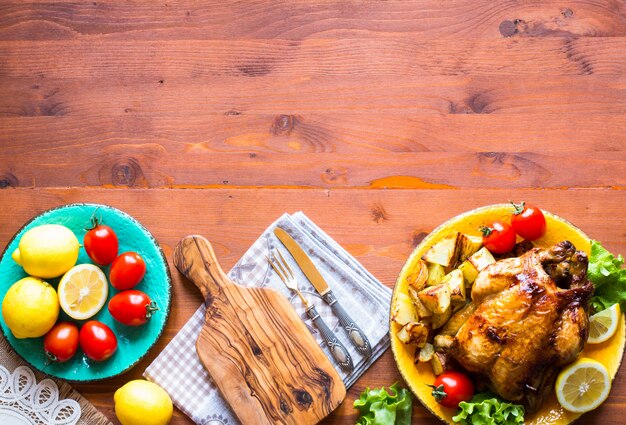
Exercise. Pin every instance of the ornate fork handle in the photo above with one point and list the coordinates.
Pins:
(357, 336)
(339, 352)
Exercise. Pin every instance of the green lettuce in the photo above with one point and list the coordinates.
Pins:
(377, 407)
(609, 278)
(488, 409)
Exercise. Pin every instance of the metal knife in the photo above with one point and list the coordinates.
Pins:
(357, 337)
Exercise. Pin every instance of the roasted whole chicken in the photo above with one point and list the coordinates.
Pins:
(531, 318)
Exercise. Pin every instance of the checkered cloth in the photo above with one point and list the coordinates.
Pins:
(178, 369)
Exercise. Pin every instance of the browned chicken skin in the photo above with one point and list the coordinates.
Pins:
(525, 326)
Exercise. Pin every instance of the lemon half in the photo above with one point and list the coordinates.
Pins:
(83, 290)
(583, 385)
(603, 325)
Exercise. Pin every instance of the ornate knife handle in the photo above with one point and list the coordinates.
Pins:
(339, 352)
(356, 335)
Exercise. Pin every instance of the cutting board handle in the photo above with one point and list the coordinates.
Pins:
(195, 259)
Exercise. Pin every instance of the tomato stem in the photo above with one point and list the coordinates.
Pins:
(51, 358)
(438, 392)
(151, 309)
(94, 220)
(486, 231)
(518, 208)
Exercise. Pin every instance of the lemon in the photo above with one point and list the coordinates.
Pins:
(583, 385)
(142, 402)
(30, 308)
(47, 251)
(83, 291)
(603, 325)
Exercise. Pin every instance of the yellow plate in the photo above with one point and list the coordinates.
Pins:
(417, 377)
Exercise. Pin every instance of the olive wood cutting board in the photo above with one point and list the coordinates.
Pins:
(259, 353)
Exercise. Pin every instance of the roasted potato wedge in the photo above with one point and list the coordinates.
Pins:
(437, 320)
(469, 273)
(440, 363)
(422, 310)
(445, 252)
(482, 259)
(436, 272)
(424, 354)
(436, 298)
(469, 246)
(404, 311)
(414, 333)
(418, 276)
(456, 283)
(443, 343)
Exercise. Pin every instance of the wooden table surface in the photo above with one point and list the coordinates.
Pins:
(378, 119)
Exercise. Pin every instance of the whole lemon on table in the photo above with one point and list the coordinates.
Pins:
(47, 251)
(30, 308)
(142, 402)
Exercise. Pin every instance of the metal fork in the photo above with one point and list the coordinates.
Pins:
(339, 352)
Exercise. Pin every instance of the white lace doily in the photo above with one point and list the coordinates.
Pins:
(24, 401)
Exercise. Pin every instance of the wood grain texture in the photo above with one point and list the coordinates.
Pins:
(308, 133)
(42, 20)
(291, 382)
(144, 167)
(360, 94)
(380, 228)
(396, 55)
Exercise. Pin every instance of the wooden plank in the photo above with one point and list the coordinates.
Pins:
(379, 227)
(151, 165)
(397, 55)
(267, 95)
(300, 19)
(101, 134)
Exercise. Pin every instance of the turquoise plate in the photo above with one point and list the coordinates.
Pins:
(133, 342)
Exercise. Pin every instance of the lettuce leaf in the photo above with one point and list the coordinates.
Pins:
(488, 409)
(609, 278)
(377, 407)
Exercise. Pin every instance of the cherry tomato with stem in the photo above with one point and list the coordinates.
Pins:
(132, 307)
(452, 387)
(127, 271)
(61, 342)
(498, 237)
(528, 221)
(97, 340)
(101, 243)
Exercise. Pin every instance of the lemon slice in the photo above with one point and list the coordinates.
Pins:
(83, 291)
(603, 325)
(583, 385)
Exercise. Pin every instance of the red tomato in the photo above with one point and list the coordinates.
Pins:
(499, 237)
(127, 271)
(61, 342)
(101, 244)
(452, 387)
(528, 221)
(132, 307)
(97, 340)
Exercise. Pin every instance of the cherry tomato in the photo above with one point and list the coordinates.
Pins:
(452, 387)
(132, 307)
(61, 342)
(97, 340)
(528, 221)
(499, 237)
(101, 244)
(127, 271)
